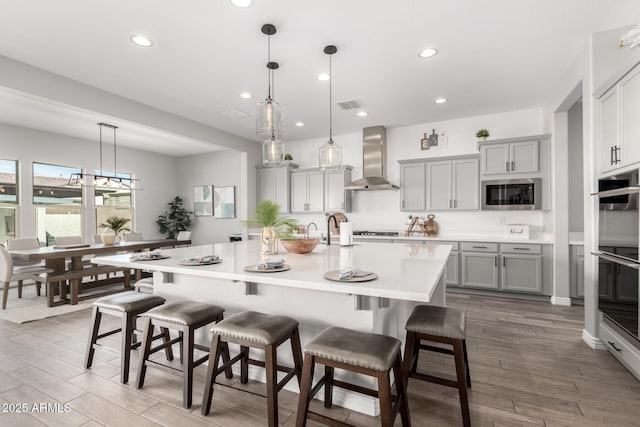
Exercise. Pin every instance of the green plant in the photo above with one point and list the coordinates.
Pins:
(288, 157)
(267, 214)
(482, 133)
(175, 220)
(116, 223)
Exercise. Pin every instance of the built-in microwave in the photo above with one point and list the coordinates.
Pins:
(624, 201)
(516, 194)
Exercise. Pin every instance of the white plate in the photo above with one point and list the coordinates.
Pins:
(146, 258)
(335, 276)
(191, 263)
(253, 269)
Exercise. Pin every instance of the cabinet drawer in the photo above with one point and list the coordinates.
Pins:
(623, 350)
(479, 247)
(517, 248)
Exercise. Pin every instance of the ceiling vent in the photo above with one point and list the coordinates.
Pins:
(233, 114)
(354, 104)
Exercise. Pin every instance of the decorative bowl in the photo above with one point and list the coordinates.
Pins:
(299, 246)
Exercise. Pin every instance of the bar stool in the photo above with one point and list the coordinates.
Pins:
(128, 306)
(185, 317)
(144, 286)
(251, 329)
(360, 352)
(442, 325)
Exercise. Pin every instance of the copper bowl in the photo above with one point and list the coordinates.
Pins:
(299, 246)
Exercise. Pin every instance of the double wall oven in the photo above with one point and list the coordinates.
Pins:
(618, 238)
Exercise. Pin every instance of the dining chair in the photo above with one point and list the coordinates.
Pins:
(10, 273)
(133, 237)
(184, 235)
(22, 244)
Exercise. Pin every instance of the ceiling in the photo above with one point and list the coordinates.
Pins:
(494, 56)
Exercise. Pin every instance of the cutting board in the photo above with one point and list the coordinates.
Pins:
(340, 217)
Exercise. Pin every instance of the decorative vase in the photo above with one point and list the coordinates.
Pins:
(269, 241)
(108, 236)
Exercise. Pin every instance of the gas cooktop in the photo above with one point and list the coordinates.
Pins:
(375, 233)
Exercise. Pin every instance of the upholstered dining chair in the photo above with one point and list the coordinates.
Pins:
(25, 243)
(10, 273)
(184, 235)
(133, 237)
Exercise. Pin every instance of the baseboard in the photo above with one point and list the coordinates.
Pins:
(593, 342)
(560, 301)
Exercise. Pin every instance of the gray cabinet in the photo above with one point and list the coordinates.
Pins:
(335, 196)
(413, 187)
(452, 276)
(576, 271)
(273, 184)
(480, 270)
(453, 184)
(509, 157)
(607, 110)
(307, 191)
(522, 273)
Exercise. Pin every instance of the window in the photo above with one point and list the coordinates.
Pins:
(8, 199)
(58, 205)
(113, 201)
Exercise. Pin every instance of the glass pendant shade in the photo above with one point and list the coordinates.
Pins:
(330, 155)
(273, 152)
(269, 119)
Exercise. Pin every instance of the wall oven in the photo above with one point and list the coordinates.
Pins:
(512, 194)
(618, 236)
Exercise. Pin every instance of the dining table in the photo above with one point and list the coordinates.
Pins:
(55, 258)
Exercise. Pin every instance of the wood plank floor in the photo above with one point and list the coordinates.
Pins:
(529, 366)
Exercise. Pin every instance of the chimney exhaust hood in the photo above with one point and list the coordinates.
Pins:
(374, 157)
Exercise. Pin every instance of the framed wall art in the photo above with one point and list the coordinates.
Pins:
(203, 200)
(224, 202)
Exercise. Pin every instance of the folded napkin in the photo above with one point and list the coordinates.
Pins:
(348, 273)
(204, 259)
(147, 255)
(270, 264)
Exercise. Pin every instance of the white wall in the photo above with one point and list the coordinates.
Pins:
(380, 210)
(157, 172)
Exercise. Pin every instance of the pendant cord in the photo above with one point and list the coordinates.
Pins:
(330, 103)
(268, 61)
(100, 148)
(115, 154)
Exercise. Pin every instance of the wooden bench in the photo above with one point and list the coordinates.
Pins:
(57, 283)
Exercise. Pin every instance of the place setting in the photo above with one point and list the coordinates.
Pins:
(201, 260)
(148, 256)
(350, 275)
(270, 265)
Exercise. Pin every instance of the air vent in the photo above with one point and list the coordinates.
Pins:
(354, 104)
(233, 114)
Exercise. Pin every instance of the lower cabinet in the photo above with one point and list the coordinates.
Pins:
(521, 273)
(452, 276)
(480, 270)
(576, 271)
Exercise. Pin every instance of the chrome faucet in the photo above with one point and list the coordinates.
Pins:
(309, 225)
(335, 221)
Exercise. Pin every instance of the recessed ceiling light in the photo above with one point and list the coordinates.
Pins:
(299, 124)
(440, 100)
(246, 95)
(323, 77)
(362, 113)
(427, 53)
(241, 3)
(140, 40)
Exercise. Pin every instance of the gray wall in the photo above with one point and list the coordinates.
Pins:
(575, 169)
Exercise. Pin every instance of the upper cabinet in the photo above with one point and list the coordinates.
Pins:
(335, 196)
(273, 184)
(618, 130)
(445, 184)
(307, 191)
(509, 157)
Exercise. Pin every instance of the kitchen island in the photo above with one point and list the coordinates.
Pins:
(408, 275)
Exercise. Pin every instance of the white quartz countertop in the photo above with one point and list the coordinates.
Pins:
(405, 271)
(498, 238)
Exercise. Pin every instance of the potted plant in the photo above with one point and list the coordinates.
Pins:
(482, 134)
(175, 220)
(114, 225)
(267, 216)
(288, 157)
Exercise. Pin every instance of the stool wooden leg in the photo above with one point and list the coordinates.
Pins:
(409, 354)
(296, 349)
(328, 386)
(96, 316)
(187, 366)
(38, 288)
(5, 295)
(168, 351)
(466, 362)
(384, 395)
(181, 345)
(458, 354)
(244, 365)
(305, 390)
(401, 391)
(127, 331)
(214, 356)
(271, 362)
(226, 357)
(147, 338)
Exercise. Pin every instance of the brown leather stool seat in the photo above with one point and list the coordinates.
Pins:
(127, 305)
(266, 332)
(364, 353)
(185, 317)
(443, 325)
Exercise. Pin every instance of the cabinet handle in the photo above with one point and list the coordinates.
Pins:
(504, 263)
(455, 203)
(521, 249)
(613, 345)
(479, 247)
(449, 203)
(617, 157)
(495, 260)
(507, 166)
(611, 156)
(513, 165)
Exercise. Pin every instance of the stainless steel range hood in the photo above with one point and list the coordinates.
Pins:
(374, 157)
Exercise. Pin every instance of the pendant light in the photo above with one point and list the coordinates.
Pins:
(330, 154)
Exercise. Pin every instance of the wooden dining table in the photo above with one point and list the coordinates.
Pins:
(55, 258)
